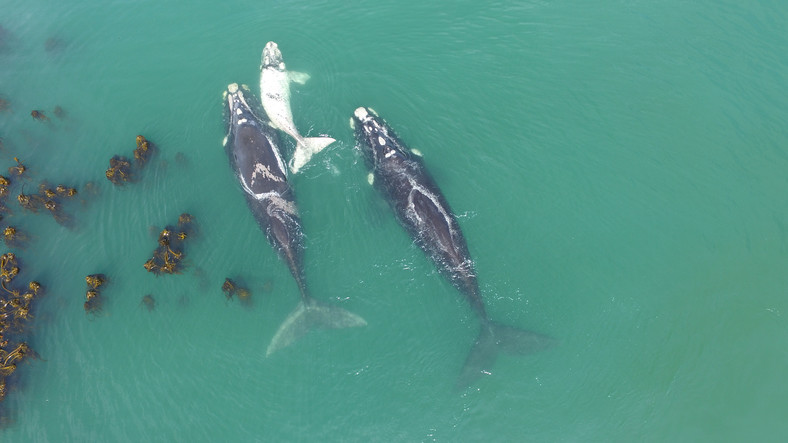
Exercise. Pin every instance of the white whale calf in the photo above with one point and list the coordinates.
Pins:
(275, 96)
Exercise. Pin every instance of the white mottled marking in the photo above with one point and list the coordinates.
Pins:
(360, 113)
(278, 202)
(261, 170)
(412, 208)
(381, 141)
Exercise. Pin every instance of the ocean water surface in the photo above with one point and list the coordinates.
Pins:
(618, 169)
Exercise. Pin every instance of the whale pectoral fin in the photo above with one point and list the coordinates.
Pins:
(371, 178)
(298, 77)
(494, 338)
(308, 316)
(417, 152)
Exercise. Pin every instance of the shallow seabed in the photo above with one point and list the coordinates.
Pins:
(618, 169)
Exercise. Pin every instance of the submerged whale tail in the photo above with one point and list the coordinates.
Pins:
(495, 337)
(311, 314)
(306, 148)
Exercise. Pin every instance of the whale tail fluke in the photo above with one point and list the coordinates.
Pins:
(306, 148)
(309, 315)
(494, 338)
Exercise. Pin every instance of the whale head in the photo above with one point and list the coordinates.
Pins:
(239, 110)
(272, 57)
(376, 138)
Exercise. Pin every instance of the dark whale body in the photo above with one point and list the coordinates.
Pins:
(423, 211)
(252, 145)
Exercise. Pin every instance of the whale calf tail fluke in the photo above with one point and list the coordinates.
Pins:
(306, 148)
(311, 314)
(494, 338)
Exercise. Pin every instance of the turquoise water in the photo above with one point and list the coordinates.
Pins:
(618, 168)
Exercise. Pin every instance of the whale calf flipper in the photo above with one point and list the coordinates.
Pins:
(311, 315)
(494, 338)
(306, 148)
(298, 77)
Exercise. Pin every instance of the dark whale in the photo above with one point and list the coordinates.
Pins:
(252, 145)
(423, 211)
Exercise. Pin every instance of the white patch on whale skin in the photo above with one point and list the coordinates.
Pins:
(232, 87)
(248, 189)
(279, 160)
(352, 123)
(381, 141)
(277, 206)
(238, 102)
(276, 200)
(261, 170)
(361, 113)
(414, 215)
(389, 153)
(371, 178)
